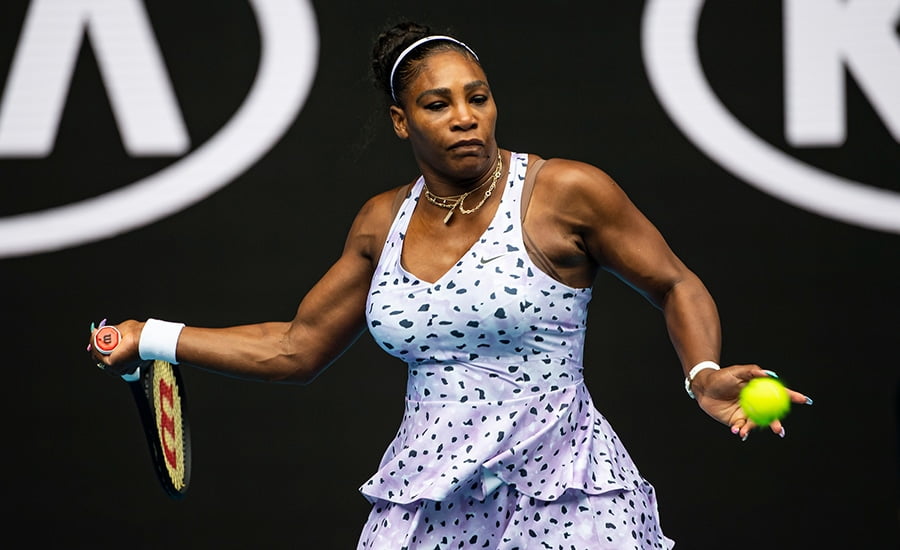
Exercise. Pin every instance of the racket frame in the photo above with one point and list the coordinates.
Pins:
(142, 389)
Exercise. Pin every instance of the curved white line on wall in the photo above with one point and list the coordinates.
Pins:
(669, 39)
(288, 57)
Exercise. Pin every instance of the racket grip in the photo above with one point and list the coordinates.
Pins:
(106, 339)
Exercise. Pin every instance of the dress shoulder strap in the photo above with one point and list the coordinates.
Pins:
(528, 186)
(401, 194)
(537, 255)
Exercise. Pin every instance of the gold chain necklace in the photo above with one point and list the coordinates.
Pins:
(454, 202)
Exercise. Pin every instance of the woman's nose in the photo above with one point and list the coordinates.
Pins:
(464, 117)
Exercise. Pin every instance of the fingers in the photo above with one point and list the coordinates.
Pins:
(90, 347)
(799, 398)
(740, 425)
(104, 341)
(749, 372)
(94, 330)
(741, 428)
(746, 373)
(777, 428)
(756, 371)
(795, 396)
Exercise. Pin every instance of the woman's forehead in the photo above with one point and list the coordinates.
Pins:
(445, 68)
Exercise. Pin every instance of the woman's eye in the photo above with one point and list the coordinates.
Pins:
(436, 106)
(479, 99)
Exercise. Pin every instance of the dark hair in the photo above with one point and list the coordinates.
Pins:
(391, 43)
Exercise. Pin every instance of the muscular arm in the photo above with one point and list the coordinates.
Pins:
(629, 246)
(596, 227)
(328, 320)
(592, 225)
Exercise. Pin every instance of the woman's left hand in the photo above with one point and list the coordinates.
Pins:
(718, 392)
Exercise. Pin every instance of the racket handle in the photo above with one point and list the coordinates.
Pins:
(105, 340)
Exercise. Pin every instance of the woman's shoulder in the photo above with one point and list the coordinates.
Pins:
(373, 222)
(377, 213)
(384, 206)
(562, 175)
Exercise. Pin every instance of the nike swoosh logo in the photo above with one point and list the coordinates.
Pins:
(488, 260)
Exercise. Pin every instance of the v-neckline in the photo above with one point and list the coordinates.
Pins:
(420, 186)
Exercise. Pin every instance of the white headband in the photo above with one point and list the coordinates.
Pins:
(415, 45)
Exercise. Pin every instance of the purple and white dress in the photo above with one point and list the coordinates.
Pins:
(500, 445)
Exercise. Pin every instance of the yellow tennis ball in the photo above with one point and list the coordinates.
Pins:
(765, 400)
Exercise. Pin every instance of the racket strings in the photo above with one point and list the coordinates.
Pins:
(170, 430)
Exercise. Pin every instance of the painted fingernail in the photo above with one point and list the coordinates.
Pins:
(735, 430)
(809, 401)
(92, 326)
(745, 437)
(102, 323)
(781, 433)
(771, 373)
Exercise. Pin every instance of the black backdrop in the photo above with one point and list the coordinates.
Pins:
(278, 466)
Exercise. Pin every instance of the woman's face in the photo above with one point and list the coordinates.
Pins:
(449, 116)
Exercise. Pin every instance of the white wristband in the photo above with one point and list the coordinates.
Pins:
(159, 340)
(693, 372)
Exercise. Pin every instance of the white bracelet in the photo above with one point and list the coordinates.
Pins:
(693, 372)
(159, 339)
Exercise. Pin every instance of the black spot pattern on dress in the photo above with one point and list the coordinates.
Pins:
(503, 339)
(508, 520)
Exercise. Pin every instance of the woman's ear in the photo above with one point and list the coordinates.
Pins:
(398, 118)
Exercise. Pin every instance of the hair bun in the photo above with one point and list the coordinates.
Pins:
(388, 46)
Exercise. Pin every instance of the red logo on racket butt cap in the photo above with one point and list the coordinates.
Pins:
(106, 339)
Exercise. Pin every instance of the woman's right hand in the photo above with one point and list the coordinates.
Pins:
(124, 358)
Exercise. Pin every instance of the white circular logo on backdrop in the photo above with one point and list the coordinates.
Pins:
(669, 37)
(287, 66)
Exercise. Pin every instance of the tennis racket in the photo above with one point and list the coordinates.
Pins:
(158, 391)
